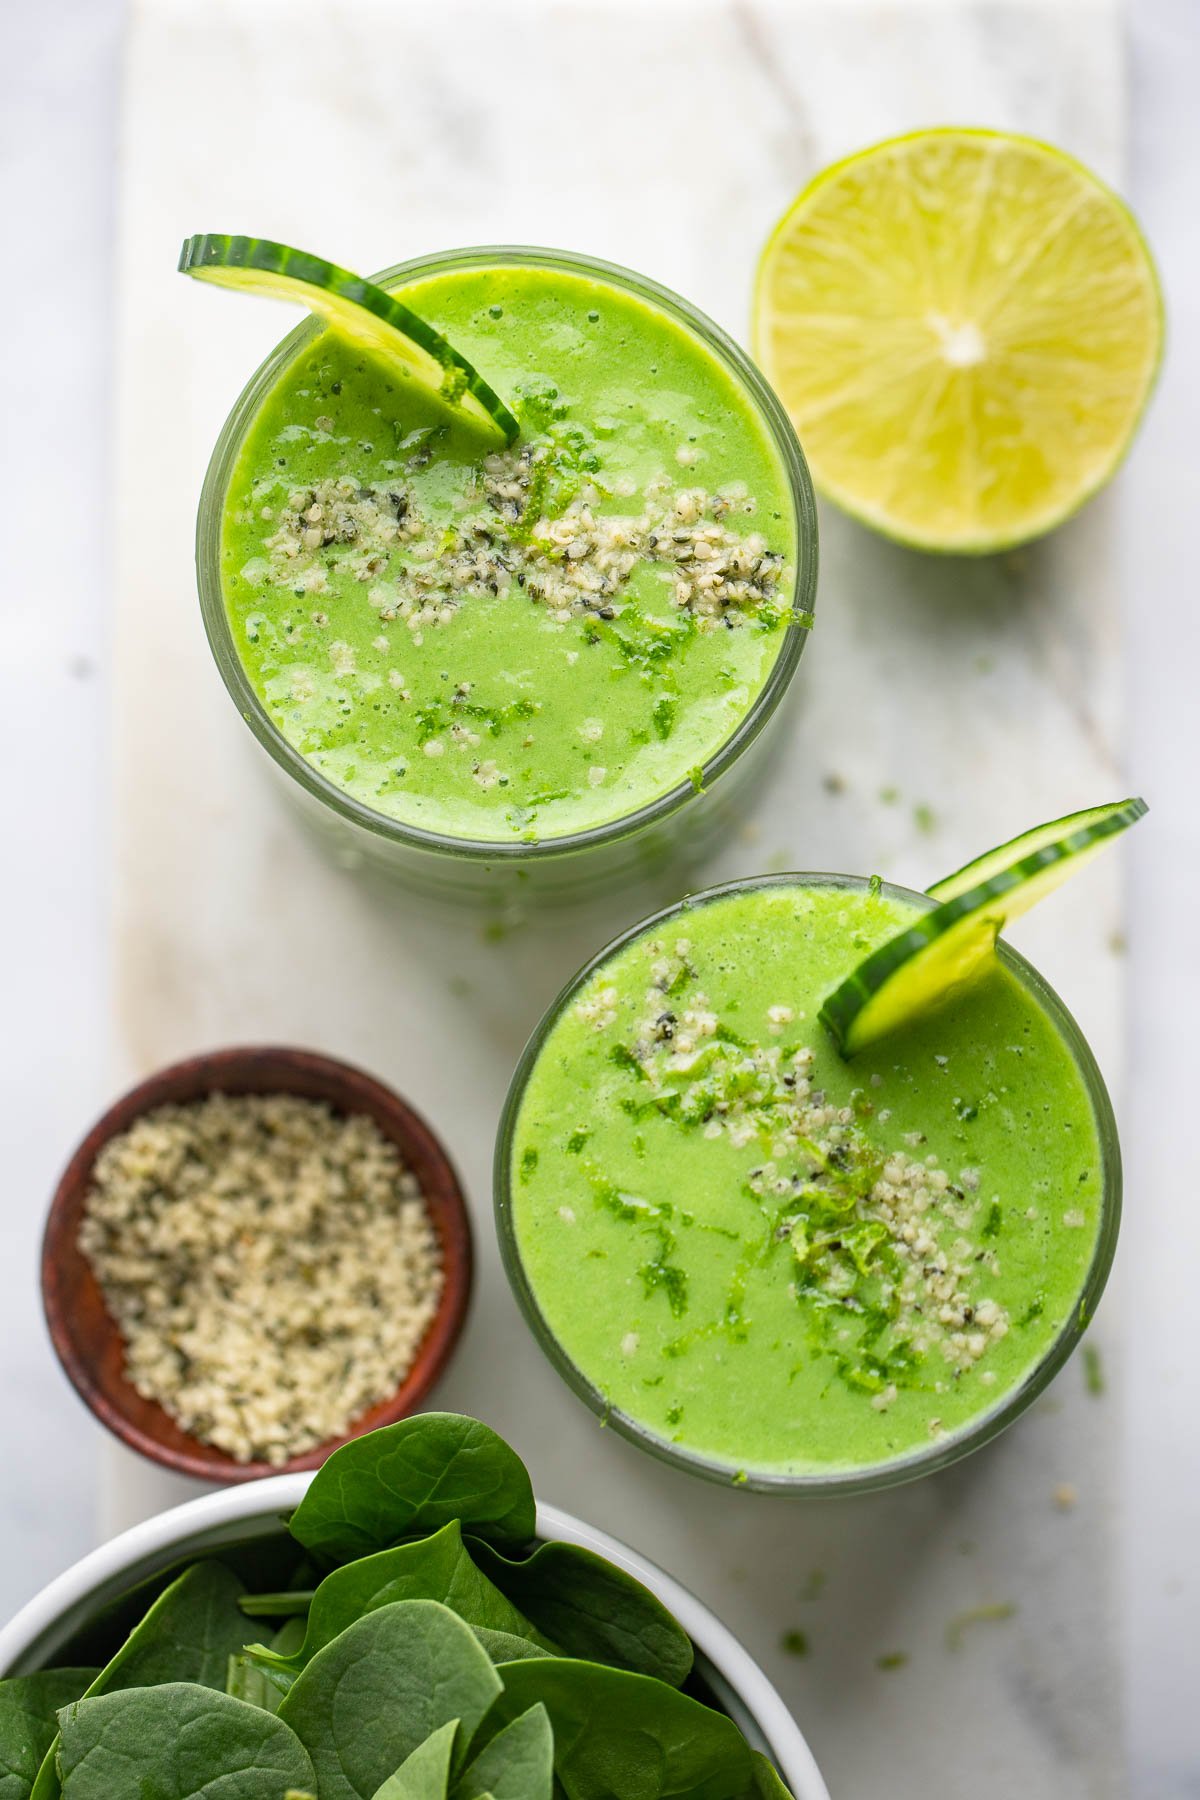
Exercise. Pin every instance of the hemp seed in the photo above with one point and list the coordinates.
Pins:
(271, 1266)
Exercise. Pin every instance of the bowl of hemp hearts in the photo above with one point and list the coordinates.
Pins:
(254, 1256)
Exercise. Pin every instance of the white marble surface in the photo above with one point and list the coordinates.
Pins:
(1107, 1593)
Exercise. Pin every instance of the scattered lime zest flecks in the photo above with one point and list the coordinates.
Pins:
(873, 1236)
(994, 1614)
(795, 1643)
(1093, 1370)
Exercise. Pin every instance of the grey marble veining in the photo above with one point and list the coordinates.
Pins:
(987, 694)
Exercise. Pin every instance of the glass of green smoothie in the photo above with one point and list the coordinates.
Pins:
(785, 1267)
(554, 656)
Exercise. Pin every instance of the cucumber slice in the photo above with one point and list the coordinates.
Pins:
(1082, 833)
(356, 309)
(944, 950)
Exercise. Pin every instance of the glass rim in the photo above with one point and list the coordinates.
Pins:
(868, 1477)
(738, 364)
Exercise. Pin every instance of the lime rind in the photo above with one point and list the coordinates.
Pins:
(355, 308)
(945, 950)
(866, 508)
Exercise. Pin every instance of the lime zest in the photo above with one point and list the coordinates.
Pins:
(357, 309)
(949, 947)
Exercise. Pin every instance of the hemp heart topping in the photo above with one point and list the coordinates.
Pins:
(270, 1263)
(890, 1251)
(575, 560)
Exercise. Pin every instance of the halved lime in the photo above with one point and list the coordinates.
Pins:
(356, 309)
(944, 950)
(965, 327)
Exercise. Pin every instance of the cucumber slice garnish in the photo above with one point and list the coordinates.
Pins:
(942, 951)
(1080, 833)
(356, 309)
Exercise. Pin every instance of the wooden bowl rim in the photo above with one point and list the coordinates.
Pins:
(348, 1089)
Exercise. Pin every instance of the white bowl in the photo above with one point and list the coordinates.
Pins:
(239, 1515)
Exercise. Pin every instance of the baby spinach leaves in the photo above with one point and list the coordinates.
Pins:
(425, 1775)
(188, 1635)
(766, 1784)
(616, 1733)
(411, 1479)
(501, 1646)
(369, 1699)
(440, 1658)
(433, 1568)
(29, 1706)
(518, 1763)
(177, 1741)
(588, 1607)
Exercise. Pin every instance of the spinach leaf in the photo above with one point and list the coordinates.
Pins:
(518, 1764)
(288, 1638)
(425, 1775)
(410, 1479)
(175, 1742)
(621, 1734)
(502, 1646)
(188, 1635)
(766, 1784)
(29, 1722)
(433, 1568)
(249, 1680)
(590, 1608)
(293, 1604)
(369, 1699)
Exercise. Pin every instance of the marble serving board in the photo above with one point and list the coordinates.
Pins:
(941, 706)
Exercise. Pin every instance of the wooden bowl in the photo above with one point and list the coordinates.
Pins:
(87, 1340)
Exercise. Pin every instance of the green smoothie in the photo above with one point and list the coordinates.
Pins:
(521, 644)
(776, 1261)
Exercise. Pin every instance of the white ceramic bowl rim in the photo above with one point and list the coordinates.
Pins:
(32, 1637)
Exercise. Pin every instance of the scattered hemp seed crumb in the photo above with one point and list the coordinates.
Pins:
(794, 1643)
(977, 1615)
(833, 783)
(1093, 1370)
(1065, 1496)
(270, 1263)
(1118, 943)
(895, 1659)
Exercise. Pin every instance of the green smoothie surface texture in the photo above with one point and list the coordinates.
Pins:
(776, 1259)
(511, 645)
